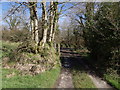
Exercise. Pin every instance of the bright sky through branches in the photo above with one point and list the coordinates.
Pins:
(5, 6)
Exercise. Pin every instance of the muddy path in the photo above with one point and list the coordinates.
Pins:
(71, 60)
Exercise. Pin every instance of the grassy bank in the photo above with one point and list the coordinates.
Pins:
(43, 80)
(13, 77)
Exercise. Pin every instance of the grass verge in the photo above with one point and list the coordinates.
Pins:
(114, 80)
(11, 78)
(79, 74)
(43, 80)
(81, 79)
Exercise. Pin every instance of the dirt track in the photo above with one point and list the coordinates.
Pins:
(65, 80)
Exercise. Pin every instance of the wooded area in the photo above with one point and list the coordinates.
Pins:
(91, 29)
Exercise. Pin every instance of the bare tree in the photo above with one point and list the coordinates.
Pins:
(13, 22)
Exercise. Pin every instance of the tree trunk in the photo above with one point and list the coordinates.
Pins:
(36, 31)
(51, 21)
(68, 32)
(34, 21)
(55, 23)
(44, 24)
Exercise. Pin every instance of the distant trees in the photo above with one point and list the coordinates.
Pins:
(13, 22)
(16, 28)
(72, 36)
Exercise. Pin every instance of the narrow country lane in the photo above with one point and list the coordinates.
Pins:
(65, 79)
(68, 60)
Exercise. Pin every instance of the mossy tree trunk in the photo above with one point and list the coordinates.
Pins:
(55, 22)
(34, 21)
(52, 15)
(44, 25)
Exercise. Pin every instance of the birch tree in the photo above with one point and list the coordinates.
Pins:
(44, 24)
(51, 21)
(55, 22)
(34, 21)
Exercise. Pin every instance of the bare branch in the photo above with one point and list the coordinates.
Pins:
(12, 11)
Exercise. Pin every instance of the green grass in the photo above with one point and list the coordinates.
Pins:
(81, 80)
(80, 77)
(43, 80)
(113, 80)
